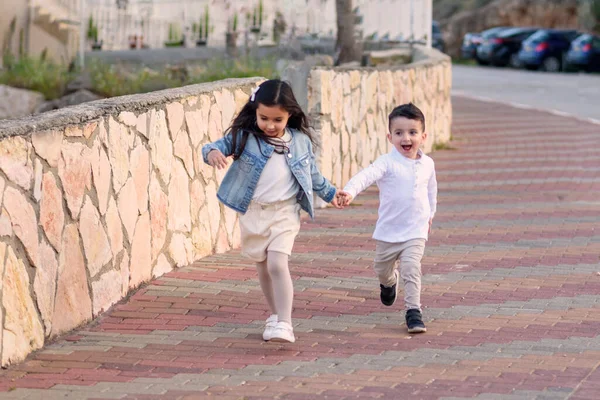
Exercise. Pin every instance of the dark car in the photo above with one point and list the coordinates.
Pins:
(584, 53)
(502, 50)
(437, 39)
(546, 49)
(472, 40)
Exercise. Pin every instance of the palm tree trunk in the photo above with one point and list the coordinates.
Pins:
(346, 47)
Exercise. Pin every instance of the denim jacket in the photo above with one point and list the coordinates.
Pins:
(239, 183)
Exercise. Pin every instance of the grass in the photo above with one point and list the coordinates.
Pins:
(110, 80)
(463, 61)
(37, 74)
(244, 67)
(113, 80)
(442, 146)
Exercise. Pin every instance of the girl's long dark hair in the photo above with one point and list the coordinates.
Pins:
(270, 93)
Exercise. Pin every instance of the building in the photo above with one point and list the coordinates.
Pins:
(50, 26)
(155, 19)
(54, 25)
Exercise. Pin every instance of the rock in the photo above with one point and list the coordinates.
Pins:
(23, 331)
(162, 266)
(114, 227)
(52, 215)
(82, 82)
(95, 242)
(140, 267)
(47, 144)
(17, 103)
(106, 291)
(15, 161)
(45, 284)
(128, 207)
(73, 304)
(75, 172)
(78, 97)
(140, 171)
(24, 222)
(159, 206)
(179, 200)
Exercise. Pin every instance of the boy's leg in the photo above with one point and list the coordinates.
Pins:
(386, 255)
(410, 271)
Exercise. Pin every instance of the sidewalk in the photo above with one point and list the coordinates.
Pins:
(511, 285)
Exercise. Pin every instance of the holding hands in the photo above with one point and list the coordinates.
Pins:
(342, 199)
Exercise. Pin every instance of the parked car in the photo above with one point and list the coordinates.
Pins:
(502, 49)
(437, 39)
(472, 40)
(546, 49)
(584, 53)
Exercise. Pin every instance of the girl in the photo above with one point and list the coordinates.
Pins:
(272, 177)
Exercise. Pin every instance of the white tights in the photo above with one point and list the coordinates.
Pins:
(276, 284)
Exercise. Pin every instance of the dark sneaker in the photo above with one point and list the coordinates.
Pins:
(414, 321)
(388, 294)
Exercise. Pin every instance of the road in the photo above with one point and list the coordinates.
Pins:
(576, 94)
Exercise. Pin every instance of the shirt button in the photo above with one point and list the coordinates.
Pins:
(289, 155)
(310, 192)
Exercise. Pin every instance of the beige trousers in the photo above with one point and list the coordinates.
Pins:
(409, 254)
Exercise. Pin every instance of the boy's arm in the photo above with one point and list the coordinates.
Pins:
(366, 177)
(224, 145)
(432, 194)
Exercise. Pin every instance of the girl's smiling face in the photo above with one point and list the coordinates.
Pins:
(407, 136)
(272, 120)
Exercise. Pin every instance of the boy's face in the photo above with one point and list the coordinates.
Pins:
(407, 136)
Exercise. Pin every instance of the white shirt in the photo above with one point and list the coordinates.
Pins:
(407, 195)
(276, 182)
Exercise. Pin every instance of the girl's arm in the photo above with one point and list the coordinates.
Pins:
(321, 186)
(224, 145)
(364, 179)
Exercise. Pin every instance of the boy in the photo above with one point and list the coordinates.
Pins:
(407, 203)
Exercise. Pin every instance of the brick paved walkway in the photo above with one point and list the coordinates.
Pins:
(511, 284)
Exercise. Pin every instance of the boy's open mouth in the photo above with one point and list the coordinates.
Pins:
(406, 147)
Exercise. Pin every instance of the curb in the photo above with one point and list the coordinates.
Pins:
(526, 107)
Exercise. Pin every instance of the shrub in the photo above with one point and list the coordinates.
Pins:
(38, 74)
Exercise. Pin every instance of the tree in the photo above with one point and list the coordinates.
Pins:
(346, 47)
(595, 11)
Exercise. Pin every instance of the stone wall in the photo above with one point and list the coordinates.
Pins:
(350, 107)
(99, 198)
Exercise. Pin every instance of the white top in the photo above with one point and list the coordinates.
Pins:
(407, 195)
(276, 182)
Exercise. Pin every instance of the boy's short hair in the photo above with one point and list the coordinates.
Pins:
(409, 111)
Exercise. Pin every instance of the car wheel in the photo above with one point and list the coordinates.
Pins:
(515, 62)
(551, 64)
(481, 62)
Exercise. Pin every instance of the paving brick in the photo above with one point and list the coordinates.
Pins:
(511, 295)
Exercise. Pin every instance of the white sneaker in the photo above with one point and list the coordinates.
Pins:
(283, 332)
(270, 324)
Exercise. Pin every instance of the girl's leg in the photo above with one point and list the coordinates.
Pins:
(281, 283)
(266, 284)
